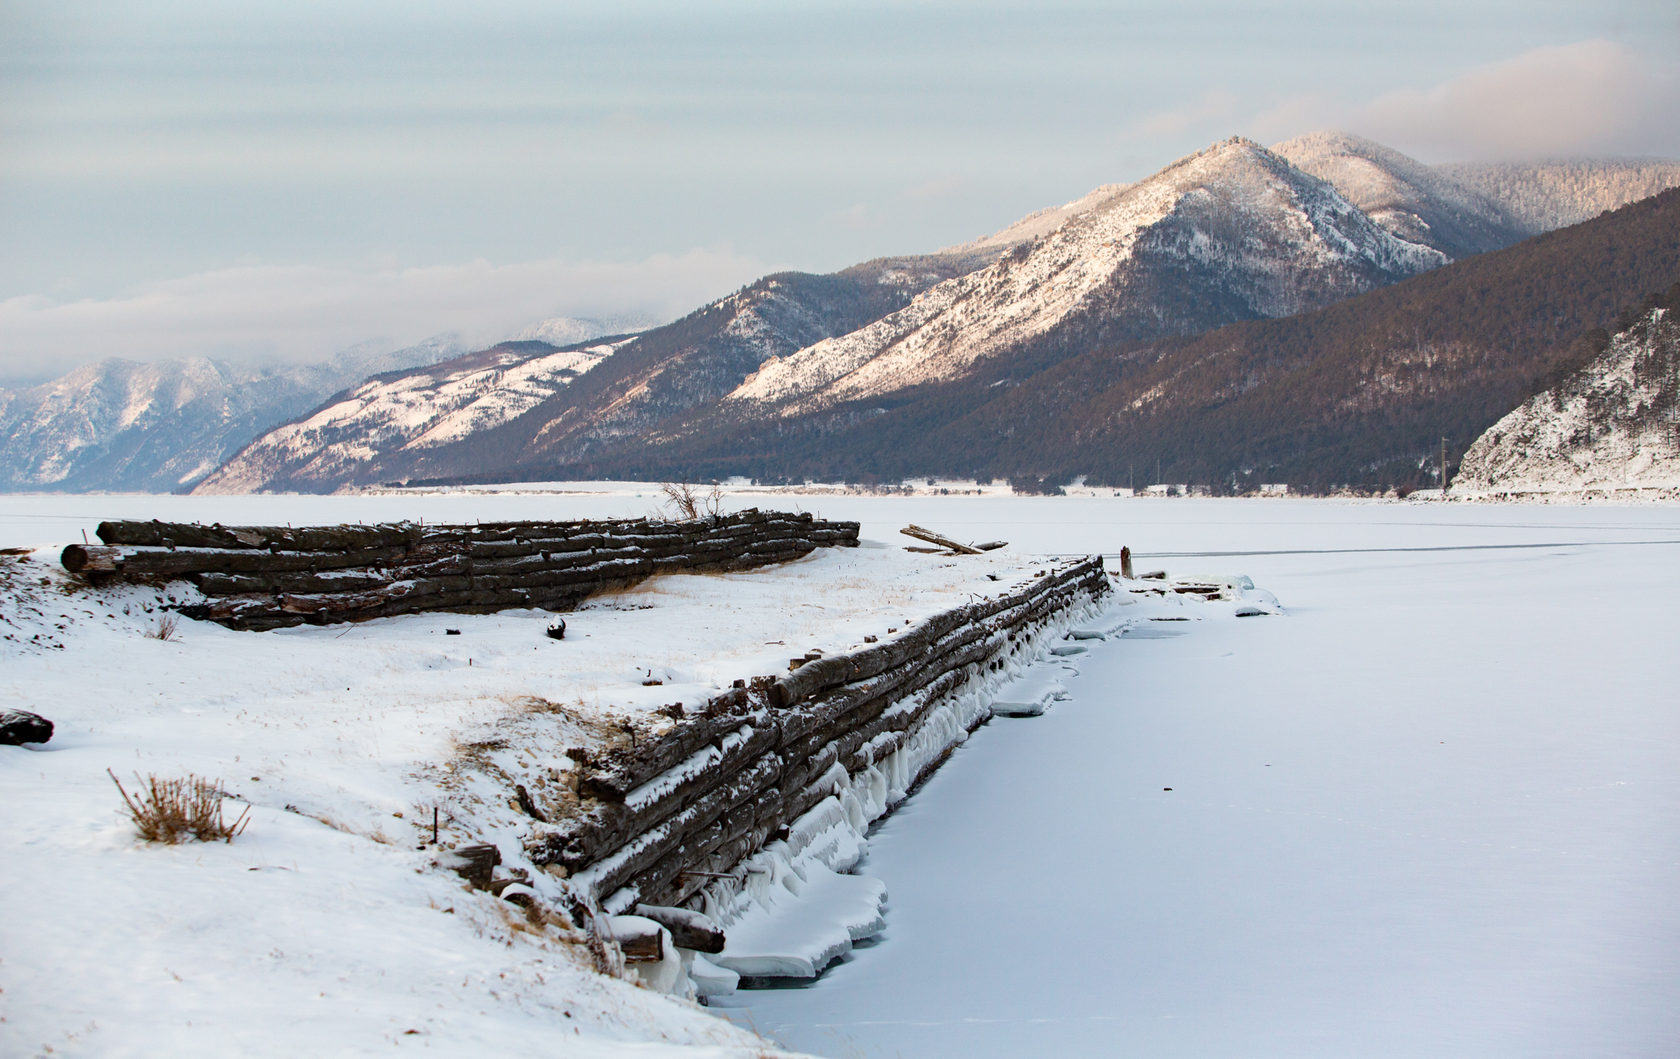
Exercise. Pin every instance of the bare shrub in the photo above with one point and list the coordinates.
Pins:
(165, 628)
(689, 502)
(170, 810)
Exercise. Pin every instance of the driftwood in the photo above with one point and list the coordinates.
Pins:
(940, 539)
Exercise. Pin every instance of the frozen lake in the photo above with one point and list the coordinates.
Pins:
(1434, 811)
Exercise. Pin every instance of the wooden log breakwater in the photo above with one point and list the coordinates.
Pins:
(266, 577)
(662, 820)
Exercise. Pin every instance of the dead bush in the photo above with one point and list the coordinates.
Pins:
(171, 810)
(687, 501)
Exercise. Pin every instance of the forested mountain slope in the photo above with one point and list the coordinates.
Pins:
(1358, 393)
(1613, 425)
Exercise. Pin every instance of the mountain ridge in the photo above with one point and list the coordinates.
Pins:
(919, 339)
(1322, 249)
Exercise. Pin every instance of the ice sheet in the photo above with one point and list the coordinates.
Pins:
(1433, 811)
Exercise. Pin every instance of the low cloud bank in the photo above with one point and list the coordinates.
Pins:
(307, 312)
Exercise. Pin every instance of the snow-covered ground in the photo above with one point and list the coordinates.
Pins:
(1436, 810)
(328, 926)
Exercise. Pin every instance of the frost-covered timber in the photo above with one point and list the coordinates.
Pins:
(1613, 427)
(770, 790)
(265, 577)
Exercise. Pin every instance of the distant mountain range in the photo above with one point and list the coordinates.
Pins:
(1199, 318)
(118, 425)
(647, 379)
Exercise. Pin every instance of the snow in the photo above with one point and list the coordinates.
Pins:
(1039, 223)
(1432, 810)
(1032, 693)
(1435, 810)
(343, 740)
(799, 934)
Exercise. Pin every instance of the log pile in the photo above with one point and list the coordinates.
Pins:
(658, 821)
(266, 577)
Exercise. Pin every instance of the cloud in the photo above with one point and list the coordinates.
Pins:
(1592, 97)
(309, 312)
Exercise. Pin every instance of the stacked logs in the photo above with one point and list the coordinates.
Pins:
(658, 821)
(266, 577)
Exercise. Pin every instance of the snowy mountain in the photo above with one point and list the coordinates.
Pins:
(1612, 425)
(1543, 196)
(409, 411)
(1414, 201)
(570, 330)
(122, 425)
(1471, 208)
(1010, 352)
(1230, 233)
(529, 400)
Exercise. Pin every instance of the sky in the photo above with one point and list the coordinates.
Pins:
(280, 181)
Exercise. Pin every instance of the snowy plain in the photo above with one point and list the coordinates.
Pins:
(1433, 811)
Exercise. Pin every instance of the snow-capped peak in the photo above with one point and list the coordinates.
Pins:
(1272, 237)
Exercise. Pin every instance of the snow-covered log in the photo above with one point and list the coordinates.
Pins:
(680, 813)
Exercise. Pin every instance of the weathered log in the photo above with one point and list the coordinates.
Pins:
(214, 584)
(719, 813)
(623, 769)
(923, 534)
(473, 863)
(639, 942)
(401, 567)
(612, 873)
(152, 563)
(272, 538)
(605, 825)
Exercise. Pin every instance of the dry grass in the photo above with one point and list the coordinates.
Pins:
(165, 628)
(171, 810)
